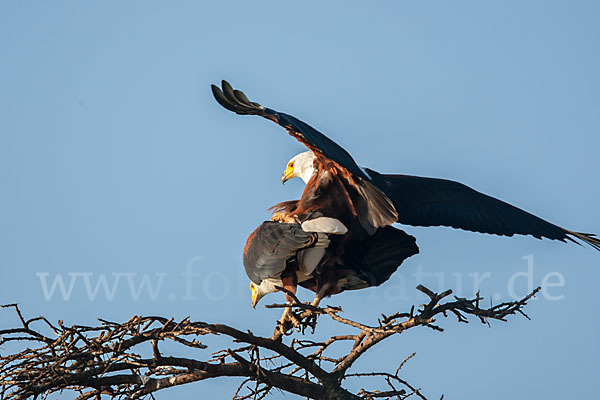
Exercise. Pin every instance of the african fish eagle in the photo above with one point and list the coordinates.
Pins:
(366, 203)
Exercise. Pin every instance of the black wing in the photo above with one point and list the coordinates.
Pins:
(440, 202)
(236, 101)
(272, 245)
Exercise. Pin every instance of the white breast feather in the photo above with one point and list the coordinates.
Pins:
(326, 225)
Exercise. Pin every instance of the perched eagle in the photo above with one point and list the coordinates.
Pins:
(344, 215)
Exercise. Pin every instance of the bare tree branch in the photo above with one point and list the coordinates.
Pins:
(124, 360)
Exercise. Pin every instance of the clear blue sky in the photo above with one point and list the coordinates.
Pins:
(115, 159)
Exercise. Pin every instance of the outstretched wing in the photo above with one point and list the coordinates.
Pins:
(272, 244)
(236, 101)
(373, 208)
(440, 202)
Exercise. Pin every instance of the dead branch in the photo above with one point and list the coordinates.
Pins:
(123, 360)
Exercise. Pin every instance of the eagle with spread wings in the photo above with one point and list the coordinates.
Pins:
(339, 235)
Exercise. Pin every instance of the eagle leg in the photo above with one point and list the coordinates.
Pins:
(290, 283)
(321, 294)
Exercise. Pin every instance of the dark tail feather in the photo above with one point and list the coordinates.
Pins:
(387, 250)
(378, 257)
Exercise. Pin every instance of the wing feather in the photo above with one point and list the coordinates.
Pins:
(272, 245)
(439, 202)
(237, 101)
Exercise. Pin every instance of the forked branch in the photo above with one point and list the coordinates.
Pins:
(124, 360)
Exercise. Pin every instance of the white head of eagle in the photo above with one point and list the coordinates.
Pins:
(300, 166)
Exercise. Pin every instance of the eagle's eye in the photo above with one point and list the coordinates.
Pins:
(291, 165)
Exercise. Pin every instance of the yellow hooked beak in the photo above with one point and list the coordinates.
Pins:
(254, 295)
(288, 173)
